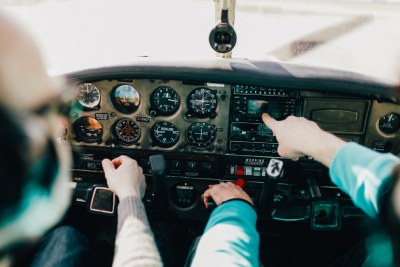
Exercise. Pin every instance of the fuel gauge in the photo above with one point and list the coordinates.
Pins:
(389, 123)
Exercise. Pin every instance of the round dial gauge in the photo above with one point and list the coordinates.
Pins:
(126, 131)
(202, 102)
(88, 130)
(88, 96)
(165, 100)
(125, 98)
(165, 134)
(200, 135)
(389, 123)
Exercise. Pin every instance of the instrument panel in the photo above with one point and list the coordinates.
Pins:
(201, 117)
(152, 114)
(210, 132)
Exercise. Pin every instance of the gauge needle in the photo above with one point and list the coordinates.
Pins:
(172, 100)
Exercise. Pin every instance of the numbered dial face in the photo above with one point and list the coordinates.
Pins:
(200, 135)
(202, 102)
(88, 130)
(125, 98)
(165, 100)
(88, 96)
(389, 123)
(165, 134)
(126, 131)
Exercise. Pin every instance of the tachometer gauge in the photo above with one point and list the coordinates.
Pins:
(88, 96)
(165, 101)
(165, 134)
(126, 131)
(125, 98)
(200, 135)
(88, 130)
(389, 123)
(202, 102)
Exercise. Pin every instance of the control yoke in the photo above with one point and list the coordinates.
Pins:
(274, 171)
(157, 163)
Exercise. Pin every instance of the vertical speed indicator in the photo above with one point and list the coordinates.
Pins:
(165, 134)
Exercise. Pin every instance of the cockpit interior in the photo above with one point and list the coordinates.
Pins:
(204, 118)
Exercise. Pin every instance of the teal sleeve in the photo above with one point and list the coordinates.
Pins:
(362, 174)
(230, 237)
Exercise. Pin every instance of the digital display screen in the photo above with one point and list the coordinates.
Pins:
(256, 107)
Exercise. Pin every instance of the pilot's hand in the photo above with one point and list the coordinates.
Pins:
(124, 177)
(224, 192)
(298, 137)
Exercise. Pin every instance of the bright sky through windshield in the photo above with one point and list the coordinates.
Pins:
(359, 36)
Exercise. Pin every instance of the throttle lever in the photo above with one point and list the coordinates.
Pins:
(157, 164)
(274, 171)
(211, 205)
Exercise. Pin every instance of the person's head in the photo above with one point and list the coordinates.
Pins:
(33, 166)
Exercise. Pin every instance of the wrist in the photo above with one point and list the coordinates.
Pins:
(127, 193)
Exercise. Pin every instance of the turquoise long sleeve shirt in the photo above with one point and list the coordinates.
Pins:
(362, 174)
(230, 237)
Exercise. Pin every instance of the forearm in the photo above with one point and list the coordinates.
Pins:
(323, 147)
(363, 174)
(134, 244)
(230, 237)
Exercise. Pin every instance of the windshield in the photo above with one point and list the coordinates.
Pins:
(360, 36)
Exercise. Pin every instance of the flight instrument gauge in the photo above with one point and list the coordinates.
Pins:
(389, 123)
(88, 96)
(202, 102)
(88, 130)
(164, 101)
(165, 134)
(125, 98)
(200, 135)
(126, 131)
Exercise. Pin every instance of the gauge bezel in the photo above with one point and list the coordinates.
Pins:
(82, 105)
(119, 139)
(201, 145)
(82, 138)
(158, 142)
(192, 109)
(387, 131)
(125, 109)
(155, 107)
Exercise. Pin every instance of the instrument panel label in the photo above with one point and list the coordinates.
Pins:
(143, 119)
